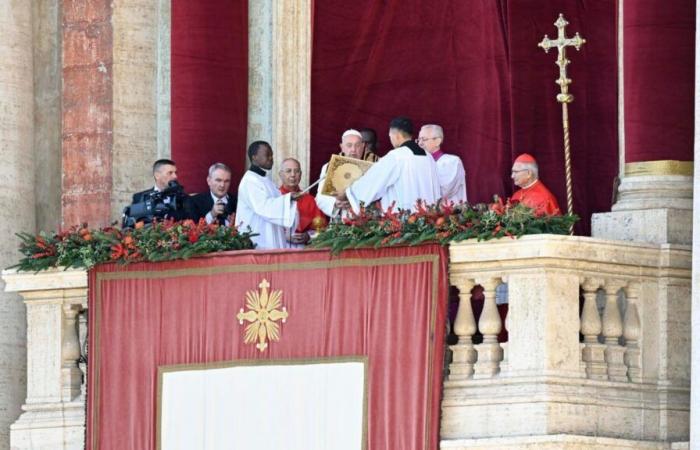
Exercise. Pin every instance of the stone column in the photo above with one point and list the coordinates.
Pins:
(87, 112)
(47, 112)
(141, 102)
(695, 291)
(279, 71)
(654, 201)
(16, 195)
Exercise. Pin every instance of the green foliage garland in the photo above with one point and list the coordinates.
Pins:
(373, 227)
(80, 247)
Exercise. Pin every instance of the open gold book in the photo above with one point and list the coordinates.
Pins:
(342, 172)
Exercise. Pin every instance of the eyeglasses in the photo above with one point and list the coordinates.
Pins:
(423, 139)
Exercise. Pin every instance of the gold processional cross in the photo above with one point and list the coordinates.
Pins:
(561, 42)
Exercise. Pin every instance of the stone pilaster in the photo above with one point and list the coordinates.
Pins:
(279, 71)
(54, 409)
(695, 291)
(46, 22)
(141, 103)
(16, 195)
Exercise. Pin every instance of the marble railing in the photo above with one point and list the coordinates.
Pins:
(598, 347)
(598, 340)
(54, 411)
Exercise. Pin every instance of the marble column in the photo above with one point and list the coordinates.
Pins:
(279, 73)
(87, 112)
(654, 200)
(141, 95)
(16, 196)
(695, 291)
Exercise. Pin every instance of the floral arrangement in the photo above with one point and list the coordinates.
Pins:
(441, 223)
(81, 247)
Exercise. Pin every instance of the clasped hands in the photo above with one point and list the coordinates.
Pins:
(341, 201)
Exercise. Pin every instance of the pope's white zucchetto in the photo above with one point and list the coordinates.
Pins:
(352, 132)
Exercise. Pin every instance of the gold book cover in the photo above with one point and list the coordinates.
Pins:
(342, 172)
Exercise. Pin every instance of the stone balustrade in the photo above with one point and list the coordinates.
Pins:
(54, 410)
(598, 350)
(598, 342)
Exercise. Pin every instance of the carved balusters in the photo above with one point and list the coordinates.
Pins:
(489, 351)
(71, 376)
(612, 331)
(463, 353)
(82, 362)
(591, 327)
(632, 332)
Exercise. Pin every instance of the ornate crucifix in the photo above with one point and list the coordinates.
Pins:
(561, 42)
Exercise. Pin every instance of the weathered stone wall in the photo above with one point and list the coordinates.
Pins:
(16, 195)
(46, 18)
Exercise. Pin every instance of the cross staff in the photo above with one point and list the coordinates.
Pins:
(561, 42)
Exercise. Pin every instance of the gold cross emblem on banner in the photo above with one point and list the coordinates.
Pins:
(264, 310)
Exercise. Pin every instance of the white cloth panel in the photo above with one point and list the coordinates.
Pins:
(315, 406)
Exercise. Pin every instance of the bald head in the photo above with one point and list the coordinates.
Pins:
(290, 174)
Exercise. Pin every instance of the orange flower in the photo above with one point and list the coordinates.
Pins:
(87, 236)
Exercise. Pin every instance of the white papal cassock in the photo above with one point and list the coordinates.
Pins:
(325, 203)
(404, 175)
(263, 208)
(453, 187)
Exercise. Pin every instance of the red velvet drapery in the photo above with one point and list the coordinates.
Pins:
(474, 67)
(659, 39)
(388, 305)
(209, 88)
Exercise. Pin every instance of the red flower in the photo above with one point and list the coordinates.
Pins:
(498, 207)
(192, 236)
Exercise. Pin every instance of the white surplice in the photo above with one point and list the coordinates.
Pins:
(453, 185)
(404, 176)
(263, 208)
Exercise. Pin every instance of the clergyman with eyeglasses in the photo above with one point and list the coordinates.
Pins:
(532, 192)
(453, 182)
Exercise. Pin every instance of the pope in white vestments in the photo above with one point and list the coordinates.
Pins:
(261, 206)
(405, 175)
(352, 146)
(453, 185)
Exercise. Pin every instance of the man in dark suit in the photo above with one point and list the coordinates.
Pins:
(217, 205)
(165, 171)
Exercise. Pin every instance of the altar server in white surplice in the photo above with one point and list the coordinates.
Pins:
(406, 174)
(453, 182)
(261, 206)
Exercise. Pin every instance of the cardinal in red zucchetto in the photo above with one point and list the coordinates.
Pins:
(310, 217)
(532, 192)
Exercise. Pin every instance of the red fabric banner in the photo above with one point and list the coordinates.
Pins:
(473, 67)
(209, 88)
(388, 305)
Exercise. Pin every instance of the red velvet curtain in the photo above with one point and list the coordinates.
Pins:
(659, 79)
(474, 67)
(209, 88)
(388, 305)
